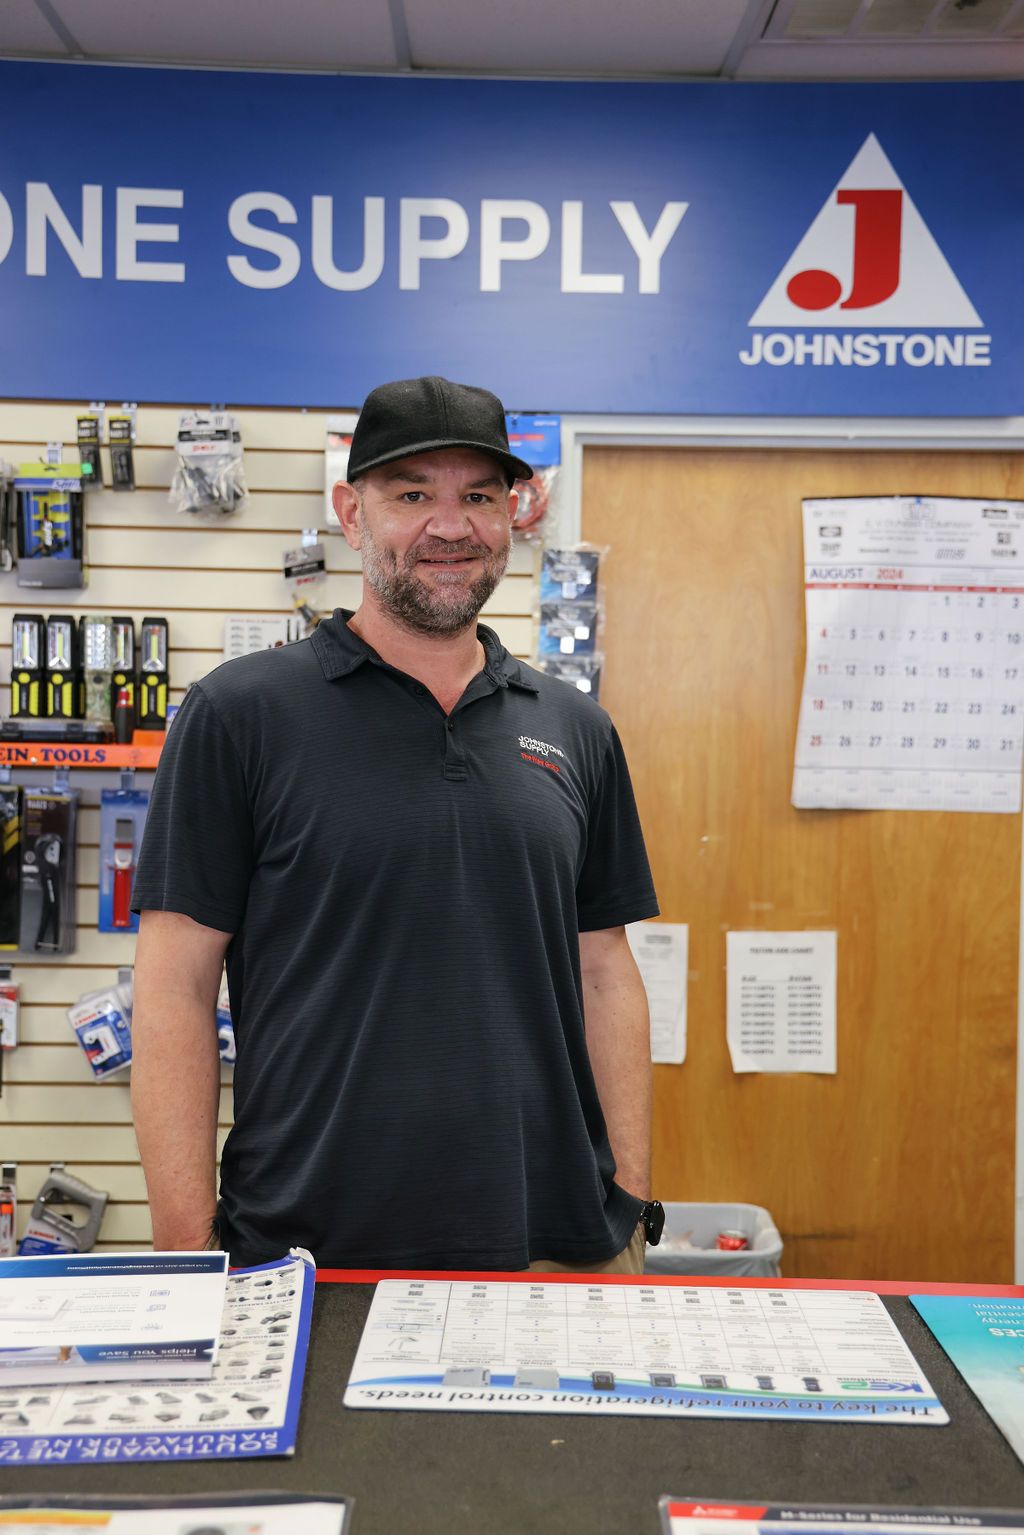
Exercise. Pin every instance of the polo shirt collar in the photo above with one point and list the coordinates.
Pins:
(340, 651)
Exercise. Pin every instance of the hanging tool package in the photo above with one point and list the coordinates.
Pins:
(48, 870)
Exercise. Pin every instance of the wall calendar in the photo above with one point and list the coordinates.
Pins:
(913, 694)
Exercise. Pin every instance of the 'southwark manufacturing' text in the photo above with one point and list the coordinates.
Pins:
(821, 349)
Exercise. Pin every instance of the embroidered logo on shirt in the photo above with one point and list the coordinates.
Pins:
(532, 750)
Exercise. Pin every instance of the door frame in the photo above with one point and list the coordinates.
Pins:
(979, 434)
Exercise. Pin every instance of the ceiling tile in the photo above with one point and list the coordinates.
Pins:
(24, 29)
(306, 34)
(928, 59)
(817, 18)
(979, 19)
(575, 36)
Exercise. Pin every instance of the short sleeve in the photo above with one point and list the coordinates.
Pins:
(196, 855)
(615, 885)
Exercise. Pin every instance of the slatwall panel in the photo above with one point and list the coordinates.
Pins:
(143, 557)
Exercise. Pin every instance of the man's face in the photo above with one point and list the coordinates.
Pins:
(434, 530)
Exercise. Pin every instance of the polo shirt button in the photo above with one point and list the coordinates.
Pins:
(420, 689)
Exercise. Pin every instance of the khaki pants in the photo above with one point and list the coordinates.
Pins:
(629, 1261)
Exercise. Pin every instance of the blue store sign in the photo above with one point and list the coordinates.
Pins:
(584, 247)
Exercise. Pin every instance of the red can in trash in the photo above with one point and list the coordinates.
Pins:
(731, 1241)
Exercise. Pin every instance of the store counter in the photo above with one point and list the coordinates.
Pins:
(434, 1473)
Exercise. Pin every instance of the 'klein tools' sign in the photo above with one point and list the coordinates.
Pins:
(585, 247)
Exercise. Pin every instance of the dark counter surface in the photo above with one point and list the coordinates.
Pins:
(450, 1473)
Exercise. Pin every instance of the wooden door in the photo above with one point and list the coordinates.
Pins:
(901, 1165)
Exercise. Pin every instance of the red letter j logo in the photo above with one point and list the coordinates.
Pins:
(876, 256)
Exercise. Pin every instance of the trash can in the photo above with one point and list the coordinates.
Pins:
(687, 1244)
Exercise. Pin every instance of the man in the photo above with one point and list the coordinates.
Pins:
(417, 856)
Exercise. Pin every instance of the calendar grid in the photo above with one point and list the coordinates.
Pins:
(914, 688)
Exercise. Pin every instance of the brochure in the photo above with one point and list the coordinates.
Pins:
(718, 1516)
(248, 1407)
(109, 1316)
(257, 1513)
(984, 1337)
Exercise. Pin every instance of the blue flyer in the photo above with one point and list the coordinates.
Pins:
(984, 1337)
(248, 1407)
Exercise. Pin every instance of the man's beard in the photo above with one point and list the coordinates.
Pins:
(439, 610)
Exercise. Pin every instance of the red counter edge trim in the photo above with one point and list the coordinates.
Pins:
(525, 1276)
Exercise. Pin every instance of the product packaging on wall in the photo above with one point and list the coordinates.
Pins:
(10, 1009)
(49, 1229)
(339, 442)
(8, 1209)
(305, 570)
(569, 616)
(50, 525)
(8, 515)
(537, 440)
(82, 680)
(47, 919)
(225, 1028)
(90, 437)
(154, 674)
(210, 478)
(123, 815)
(101, 1021)
(120, 436)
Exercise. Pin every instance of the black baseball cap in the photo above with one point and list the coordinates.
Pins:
(421, 415)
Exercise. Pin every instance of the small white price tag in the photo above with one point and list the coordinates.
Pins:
(582, 631)
(567, 644)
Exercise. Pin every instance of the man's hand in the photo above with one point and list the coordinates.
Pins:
(619, 1044)
(176, 1073)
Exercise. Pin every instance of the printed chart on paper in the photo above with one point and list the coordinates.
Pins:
(913, 692)
(644, 1350)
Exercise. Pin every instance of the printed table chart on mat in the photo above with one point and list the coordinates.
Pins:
(913, 692)
(644, 1350)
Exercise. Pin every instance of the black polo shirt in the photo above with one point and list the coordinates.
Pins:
(406, 892)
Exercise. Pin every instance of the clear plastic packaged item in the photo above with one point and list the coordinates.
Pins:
(570, 575)
(210, 478)
(567, 628)
(305, 570)
(538, 440)
(101, 1022)
(120, 439)
(582, 672)
(123, 815)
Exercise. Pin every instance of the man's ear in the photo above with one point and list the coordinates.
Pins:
(513, 504)
(345, 500)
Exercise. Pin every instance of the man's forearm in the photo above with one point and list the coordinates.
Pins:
(175, 1096)
(619, 1043)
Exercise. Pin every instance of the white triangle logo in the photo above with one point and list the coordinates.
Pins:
(868, 259)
